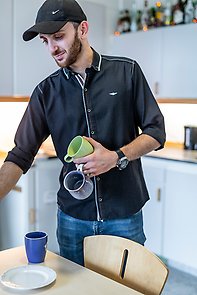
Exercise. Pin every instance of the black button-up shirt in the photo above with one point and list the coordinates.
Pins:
(111, 106)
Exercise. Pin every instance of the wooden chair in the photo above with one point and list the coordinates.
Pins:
(126, 262)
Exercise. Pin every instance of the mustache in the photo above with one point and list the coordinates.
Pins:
(59, 51)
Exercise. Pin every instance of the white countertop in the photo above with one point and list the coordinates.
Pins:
(176, 154)
(168, 153)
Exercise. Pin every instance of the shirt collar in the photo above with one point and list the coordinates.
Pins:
(96, 65)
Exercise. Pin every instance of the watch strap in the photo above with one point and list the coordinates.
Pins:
(120, 154)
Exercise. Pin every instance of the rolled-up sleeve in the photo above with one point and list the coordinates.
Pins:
(149, 117)
(31, 132)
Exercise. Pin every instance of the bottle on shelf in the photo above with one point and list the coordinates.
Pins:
(189, 12)
(134, 26)
(124, 22)
(159, 14)
(152, 17)
(178, 13)
(168, 13)
(145, 17)
(195, 12)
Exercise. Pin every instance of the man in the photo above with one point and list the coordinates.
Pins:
(104, 98)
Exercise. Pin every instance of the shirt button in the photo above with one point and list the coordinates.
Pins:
(89, 110)
(92, 132)
(85, 89)
(98, 178)
(100, 199)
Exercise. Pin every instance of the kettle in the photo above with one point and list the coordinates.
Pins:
(190, 137)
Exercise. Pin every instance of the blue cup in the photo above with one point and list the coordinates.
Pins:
(35, 246)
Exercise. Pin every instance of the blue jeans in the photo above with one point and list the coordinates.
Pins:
(72, 231)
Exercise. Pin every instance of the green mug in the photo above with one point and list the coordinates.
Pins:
(78, 147)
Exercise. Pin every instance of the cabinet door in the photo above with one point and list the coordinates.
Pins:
(180, 224)
(46, 187)
(179, 62)
(6, 56)
(146, 49)
(15, 213)
(153, 210)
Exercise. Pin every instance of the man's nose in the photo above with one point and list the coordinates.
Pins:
(52, 47)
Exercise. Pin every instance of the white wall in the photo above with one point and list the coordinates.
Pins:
(6, 57)
(176, 117)
(31, 61)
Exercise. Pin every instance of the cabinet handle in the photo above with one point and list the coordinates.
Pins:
(158, 194)
(156, 88)
(17, 188)
(32, 216)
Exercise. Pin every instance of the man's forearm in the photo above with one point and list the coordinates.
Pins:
(142, 145)
(9, 176)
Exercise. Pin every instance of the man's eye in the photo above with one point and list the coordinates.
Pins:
(44, 41)
(58, 37)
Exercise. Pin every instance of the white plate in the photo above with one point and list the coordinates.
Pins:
(28, 277)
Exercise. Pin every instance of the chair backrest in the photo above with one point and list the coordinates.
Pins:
(126, 262)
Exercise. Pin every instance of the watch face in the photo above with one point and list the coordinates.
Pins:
(123, 162)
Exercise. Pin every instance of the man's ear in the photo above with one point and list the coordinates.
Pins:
(83, 29)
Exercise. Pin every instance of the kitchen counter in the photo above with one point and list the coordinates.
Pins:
(176, 154)
(167, 153)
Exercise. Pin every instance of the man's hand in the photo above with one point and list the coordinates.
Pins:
(100, 161)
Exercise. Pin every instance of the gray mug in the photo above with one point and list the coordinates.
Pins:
(78, 184)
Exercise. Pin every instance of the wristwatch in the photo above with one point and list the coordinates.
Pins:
(122, 160)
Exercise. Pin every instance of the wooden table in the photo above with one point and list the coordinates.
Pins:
(72, 279)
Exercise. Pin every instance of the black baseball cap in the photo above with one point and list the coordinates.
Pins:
(53, 15)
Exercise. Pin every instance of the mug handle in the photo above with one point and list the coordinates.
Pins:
(68, 158)
(80, 167)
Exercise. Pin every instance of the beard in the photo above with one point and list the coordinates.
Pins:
(73, 53)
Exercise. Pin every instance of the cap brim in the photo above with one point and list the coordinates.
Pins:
(49, 27)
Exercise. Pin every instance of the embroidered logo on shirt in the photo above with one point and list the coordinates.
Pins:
(56, 11)
(113, 93)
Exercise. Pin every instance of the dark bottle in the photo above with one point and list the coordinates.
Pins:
(124, 21)
(159, 14)
(152, 18)
(178, 12)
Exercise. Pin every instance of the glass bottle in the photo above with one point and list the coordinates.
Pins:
(189, 12)
(124, 22)
(195, 12)
(152, 17)
(159, 14)
(145, 16)
(178, 12)
(168, 13)
(133, 16)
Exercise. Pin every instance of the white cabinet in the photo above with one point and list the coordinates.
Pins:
(16, 211)
(46, 188)
(6, 56)
(154, 174)
(179, 62)
(146, 49)
(180, 219)
(31, 205)
(167, 56)
(170, 215)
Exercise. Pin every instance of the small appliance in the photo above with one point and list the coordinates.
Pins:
(190, 137)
